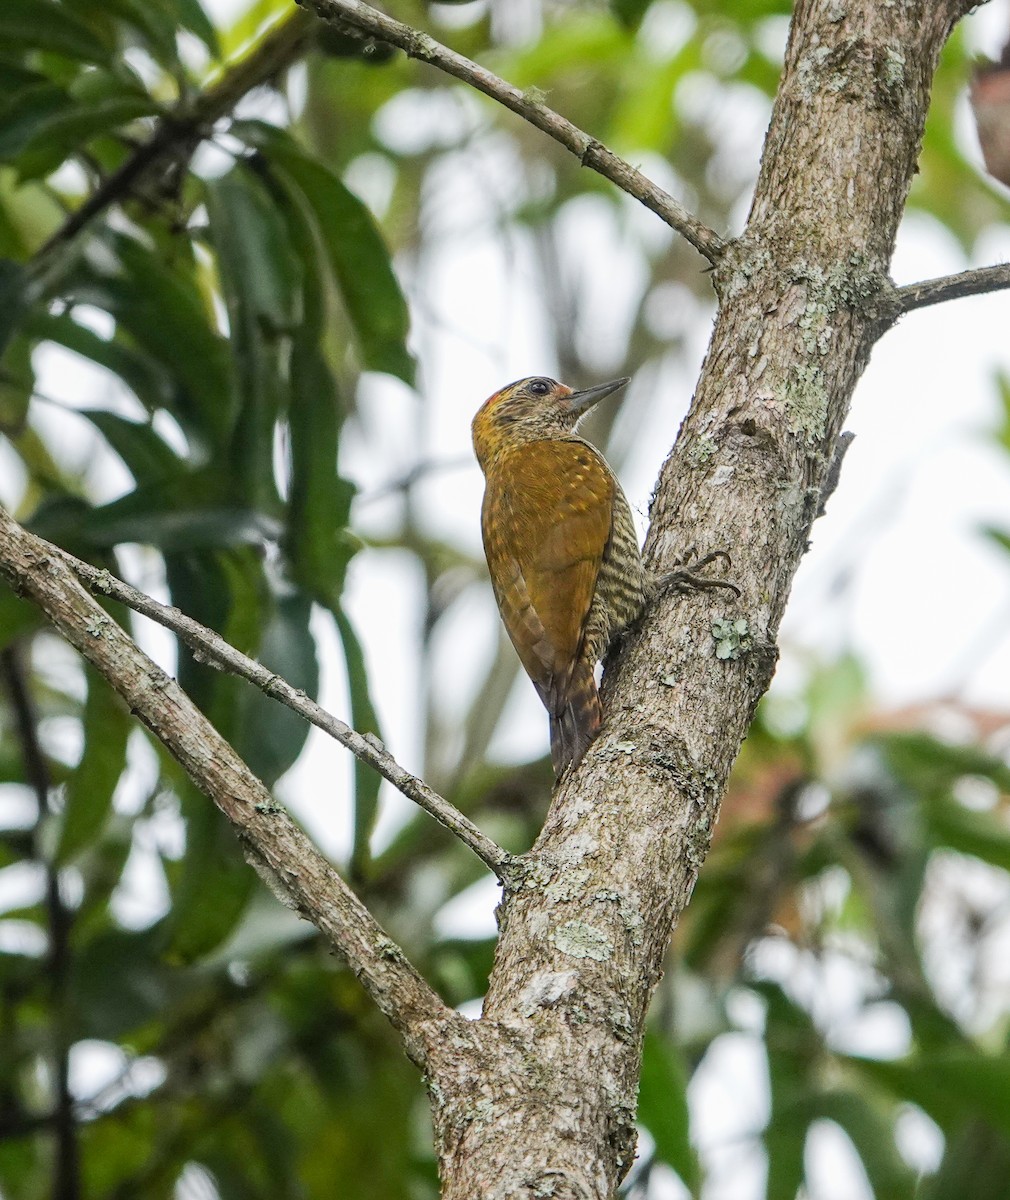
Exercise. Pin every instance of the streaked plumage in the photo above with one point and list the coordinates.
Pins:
(561, 548)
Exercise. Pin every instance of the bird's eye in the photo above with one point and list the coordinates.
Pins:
(539, 387)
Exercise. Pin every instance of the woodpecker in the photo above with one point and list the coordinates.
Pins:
(561, 548)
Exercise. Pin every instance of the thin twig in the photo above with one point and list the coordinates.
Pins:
(212, 649)
(190, 122)
(529, 105)
(288, 861)
(952, 287)
(66, 1178)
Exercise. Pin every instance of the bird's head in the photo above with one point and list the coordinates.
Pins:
(532, 409)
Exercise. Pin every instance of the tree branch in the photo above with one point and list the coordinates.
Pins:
(362, 18)
(210, 648)
(298, 874)
(190, 122)
(952, 287)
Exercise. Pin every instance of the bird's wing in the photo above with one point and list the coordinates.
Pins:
(546, 522)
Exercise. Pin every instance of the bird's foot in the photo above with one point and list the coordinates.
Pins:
(686, 578)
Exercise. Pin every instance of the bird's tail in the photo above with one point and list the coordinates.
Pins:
(577, 724)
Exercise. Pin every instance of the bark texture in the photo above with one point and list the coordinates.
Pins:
(544, 1105)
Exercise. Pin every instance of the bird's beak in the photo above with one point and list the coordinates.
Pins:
(580, 402)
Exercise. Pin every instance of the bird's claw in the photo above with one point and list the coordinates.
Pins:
(686, 578)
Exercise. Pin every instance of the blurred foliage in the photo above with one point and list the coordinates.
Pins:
(168, 1030)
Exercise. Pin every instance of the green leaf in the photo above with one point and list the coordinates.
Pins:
(723, 903)
(44, 25)
(460, 967)
(15, 78)
(118, 983)
(586, 40)
(1002, 431)
(354, 247)
(365, 720)
(190, 14)
(949, 1085)
(645, 117)
(182, 513)
(254, 255)
(316, 541)
(17, 377)
(786, 1133)
(151, 382)
(629, 12)
(91, 786)
(259, 278)
(792, 1046)
(101, 868)
(267, 928)
(52, 139)
(980, 834)
(146, 455)
(228, 592)
(271, 736)
(17, 616)
(999, 536)
(28, 114)
(156, 27)
(319, 502)
(976, 1152)
(871, 1130)
(215, 883)
(662, 1107)
(929, 765)
(836, 693)
(251, 20)
(163, 310)
(29, 214)
(204, 589)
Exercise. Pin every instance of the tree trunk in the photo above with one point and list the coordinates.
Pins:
(537, 1099)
